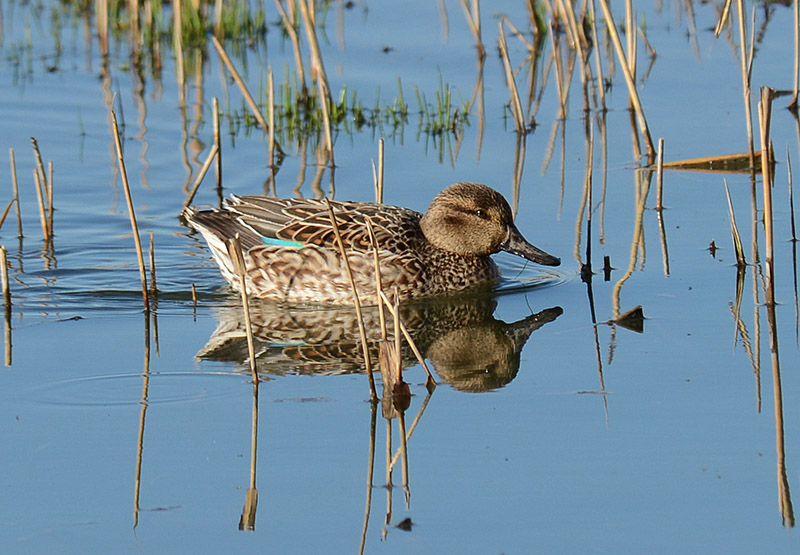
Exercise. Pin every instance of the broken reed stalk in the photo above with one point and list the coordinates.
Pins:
(637, 105)
(129, 200)
(42, 217)
(737, 240)
(235, 253)
(660, 174)
(4, 277)
(242, 87)
(218, 143)
(764, 121)
(15, 188)
(42, 190)
(194, 296)
(5, 213)
(201, 174)
(39, 163)
(516, 105)
(50, 198)
(356, 301)
(723, 18)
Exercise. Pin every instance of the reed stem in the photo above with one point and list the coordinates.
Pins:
(129, 200)
(42, 217)
(764, 120)
(235, 253)
(356, 301)
(218, 143)
(200, 175)
(626, 72)
(15, 188)
(4, 277)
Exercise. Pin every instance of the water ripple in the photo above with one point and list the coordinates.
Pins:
(125, 390)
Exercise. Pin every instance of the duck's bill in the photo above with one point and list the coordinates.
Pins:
(515, 243)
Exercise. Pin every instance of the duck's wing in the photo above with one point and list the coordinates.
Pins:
(307, 221)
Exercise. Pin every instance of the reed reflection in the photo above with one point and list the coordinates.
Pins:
(469, 348)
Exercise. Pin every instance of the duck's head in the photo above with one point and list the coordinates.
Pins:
(473, 219)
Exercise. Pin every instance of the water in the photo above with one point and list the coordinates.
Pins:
(580, 437)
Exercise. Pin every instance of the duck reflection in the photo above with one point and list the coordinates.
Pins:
(469, 348)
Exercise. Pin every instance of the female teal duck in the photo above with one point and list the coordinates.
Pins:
(291, 253)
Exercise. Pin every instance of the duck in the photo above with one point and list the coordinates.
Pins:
(291, 252)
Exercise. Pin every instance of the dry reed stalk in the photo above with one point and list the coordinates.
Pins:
(737, 240)
(129, 200)
(598, 61)
(218, 143)
(4, 277)
(764, 123)
(746, 68)
(271, 116)
(324, 95)
(378, 176)
(15, 188)
(288, 24)
(235, 253)
(723, 162)
(101, 13)
(660, 174)
(630, 38)
(177, 37)
(575, 32)
(50, 198)
(637, 105)
(39, 165)
(153, 286)
(5, 213)
(200, 175)
(42, 217)
(356, 301)
(562, 88)
(7, 302)
(217, 17)
(516, 105)
(194, 296)
(317, 68)
(378, 281)
(409, 340)
(473, 14)
(723, 18)
(240, 83)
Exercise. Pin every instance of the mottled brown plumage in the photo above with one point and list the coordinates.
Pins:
(291, 254)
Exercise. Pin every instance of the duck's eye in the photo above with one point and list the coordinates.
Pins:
(480, 213)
